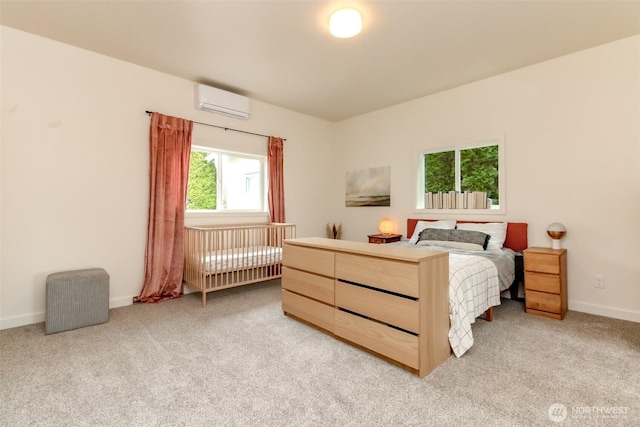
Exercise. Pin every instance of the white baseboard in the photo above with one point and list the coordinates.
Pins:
(615, 313)
(16, 321)
(600, 310)
(32, 318)
(121, 302)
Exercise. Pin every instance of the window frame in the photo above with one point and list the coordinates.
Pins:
(263, 210)
(484, 142)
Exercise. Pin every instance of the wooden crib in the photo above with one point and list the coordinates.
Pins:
(223, 256)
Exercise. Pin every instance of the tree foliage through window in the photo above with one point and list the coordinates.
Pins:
(201, 192)
(478, 169)
(440, 171)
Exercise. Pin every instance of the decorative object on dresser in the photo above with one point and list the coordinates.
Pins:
(334, 231)
(384, 238)
(545, 282)
(556, 231)
(388, 300)
(224, 256)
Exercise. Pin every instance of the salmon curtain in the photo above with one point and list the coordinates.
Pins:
(170, 150)
(276, 179)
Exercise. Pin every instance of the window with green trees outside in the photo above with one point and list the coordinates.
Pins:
(462, 177)
(225, 181)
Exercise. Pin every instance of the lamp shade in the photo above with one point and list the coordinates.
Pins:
(556, 231)
(386, 226)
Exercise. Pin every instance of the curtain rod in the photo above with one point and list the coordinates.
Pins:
(225, 128)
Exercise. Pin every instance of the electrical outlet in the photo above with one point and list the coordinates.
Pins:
(599, 281)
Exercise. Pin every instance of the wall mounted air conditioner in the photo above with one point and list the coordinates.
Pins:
(220, 101)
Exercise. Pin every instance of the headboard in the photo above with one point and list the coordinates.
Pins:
(516, 232)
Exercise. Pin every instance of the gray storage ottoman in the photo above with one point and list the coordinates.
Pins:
(76, 299)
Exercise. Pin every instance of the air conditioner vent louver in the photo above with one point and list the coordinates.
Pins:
(219, 101)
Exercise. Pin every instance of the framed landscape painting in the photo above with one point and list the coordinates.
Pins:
(368, 187)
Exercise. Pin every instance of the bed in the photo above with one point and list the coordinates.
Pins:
(391, 300)
(223, 256)
(477, 276)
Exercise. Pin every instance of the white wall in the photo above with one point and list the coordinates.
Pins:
(75, 166)
(74, 155)
(572, 137)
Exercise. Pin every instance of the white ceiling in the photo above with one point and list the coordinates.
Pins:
(280, 52)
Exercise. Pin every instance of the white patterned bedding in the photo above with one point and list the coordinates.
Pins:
(475, 283)
(474, 287)
(235, 259)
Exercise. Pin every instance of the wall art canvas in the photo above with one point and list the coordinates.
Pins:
(368, 187)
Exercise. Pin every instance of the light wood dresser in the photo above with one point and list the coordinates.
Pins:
(545, 282)
(391, 301)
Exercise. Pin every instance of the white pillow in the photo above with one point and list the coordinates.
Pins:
(449, 244)
(445, 224)
(497, 231)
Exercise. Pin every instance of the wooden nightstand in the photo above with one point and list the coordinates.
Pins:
(384, 238)
(545, 282)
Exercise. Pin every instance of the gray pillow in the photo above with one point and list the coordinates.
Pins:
(464, 239)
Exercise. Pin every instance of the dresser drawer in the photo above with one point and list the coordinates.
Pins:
(307, 309)
(309, 259)
(395, 276)
(542, 263)
(542, 282)
(308, 284)
(380, 338)
(543, 301)
(394, 310)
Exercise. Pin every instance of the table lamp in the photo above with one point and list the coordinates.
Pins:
(385, 226)
(556, 231)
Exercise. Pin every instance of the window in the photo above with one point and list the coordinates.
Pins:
(469, 176)
(225, 181)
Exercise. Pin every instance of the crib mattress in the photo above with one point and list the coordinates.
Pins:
(227, 260)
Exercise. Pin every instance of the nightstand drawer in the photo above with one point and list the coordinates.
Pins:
(542, 282)
(543, 301)
(542, 263)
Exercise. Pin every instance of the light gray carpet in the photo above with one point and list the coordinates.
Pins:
(239, 361)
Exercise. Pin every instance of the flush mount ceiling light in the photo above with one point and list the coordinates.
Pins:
(345, 23)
